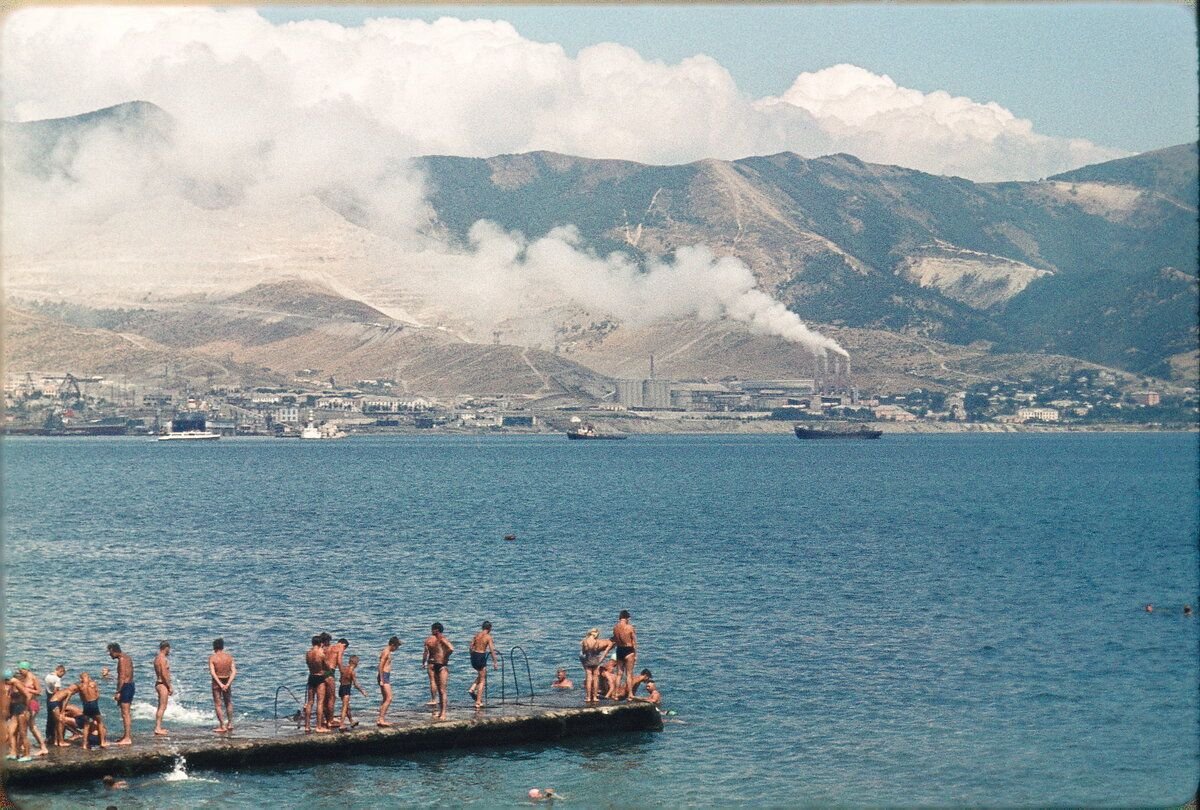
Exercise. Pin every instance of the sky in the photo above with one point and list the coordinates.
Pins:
(1122, 75)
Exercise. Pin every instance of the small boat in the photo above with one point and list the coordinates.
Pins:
(588, 431)
(188, 426)
(329, 430)
(860, 432)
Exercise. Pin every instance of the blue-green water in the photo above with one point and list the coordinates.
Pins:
(922, 620)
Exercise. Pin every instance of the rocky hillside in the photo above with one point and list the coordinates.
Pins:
(1099, 263)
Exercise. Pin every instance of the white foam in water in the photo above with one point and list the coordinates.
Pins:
(180, 715)
(179, 772)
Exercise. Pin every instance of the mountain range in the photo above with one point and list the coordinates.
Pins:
(923, 278)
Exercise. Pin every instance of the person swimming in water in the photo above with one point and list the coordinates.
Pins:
(481, 647)
(561, 681)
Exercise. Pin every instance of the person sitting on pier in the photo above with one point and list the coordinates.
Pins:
(349, 681)
(222, 669)
(592, 650)
(643, 677)
(481, 646)
(609, 678)
(125, 690)
(561, 681)
(314, 659)
(89, 696)
(436, 658)
(385, 679)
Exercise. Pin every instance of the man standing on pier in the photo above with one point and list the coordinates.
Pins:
(162, 685)
(481, 647)
(223, 670)
(435, 658)
(333, 671)
(124, 696)
(624, 635)
(385, 679)
(314, 659)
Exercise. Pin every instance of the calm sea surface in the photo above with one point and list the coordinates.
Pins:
(921, 620)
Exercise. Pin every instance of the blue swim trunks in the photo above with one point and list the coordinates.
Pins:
(385, 677)
(126, 695)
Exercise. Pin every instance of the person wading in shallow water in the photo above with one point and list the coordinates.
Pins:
(481, 646)
(385, 679)
(162, 685)
(124, 696)
(436, 658)
(223, 670)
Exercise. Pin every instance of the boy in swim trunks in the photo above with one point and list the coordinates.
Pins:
(223, 670)
(89, 696)
(349, 681)
(481, 646)
(124, 695)
(314, 659)
(624, 635)
(435, 658)
(385, 679)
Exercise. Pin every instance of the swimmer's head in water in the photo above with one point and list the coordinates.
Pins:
(534, 793)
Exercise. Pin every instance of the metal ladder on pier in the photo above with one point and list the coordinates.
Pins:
(512, 666)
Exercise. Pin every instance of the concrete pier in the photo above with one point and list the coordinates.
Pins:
(268, 743)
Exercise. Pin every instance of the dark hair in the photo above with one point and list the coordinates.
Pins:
(162, 645)
(316, 640)
(487, 625)
(437, 627)
(218, 644)
(624, 614)
(114, 647)
(394, 640)
(326, 638)
(647, 673)
(343, 642)
(109, 781)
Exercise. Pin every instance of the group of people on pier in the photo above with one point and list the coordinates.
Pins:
(332, 675)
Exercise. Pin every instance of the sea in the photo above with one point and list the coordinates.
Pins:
(924, 620)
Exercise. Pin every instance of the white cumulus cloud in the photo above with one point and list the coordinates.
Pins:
(479, 88)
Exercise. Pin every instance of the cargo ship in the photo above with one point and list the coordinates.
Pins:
(587, 431)
(837, 432)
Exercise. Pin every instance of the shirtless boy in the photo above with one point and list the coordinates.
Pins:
(624, 635)
(66, 717)
(89, 695)
(124, 695)
(314, 659)
(385, 679)
(349, 681)
(481, 646)
(435, 658)
(162, 685)
(223, 670)
(33, 687)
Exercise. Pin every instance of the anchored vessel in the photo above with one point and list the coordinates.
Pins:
(588, 431)
(326, 431)
(188, 425)
(842, 432)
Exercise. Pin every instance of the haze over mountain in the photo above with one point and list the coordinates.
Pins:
(584, 255)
